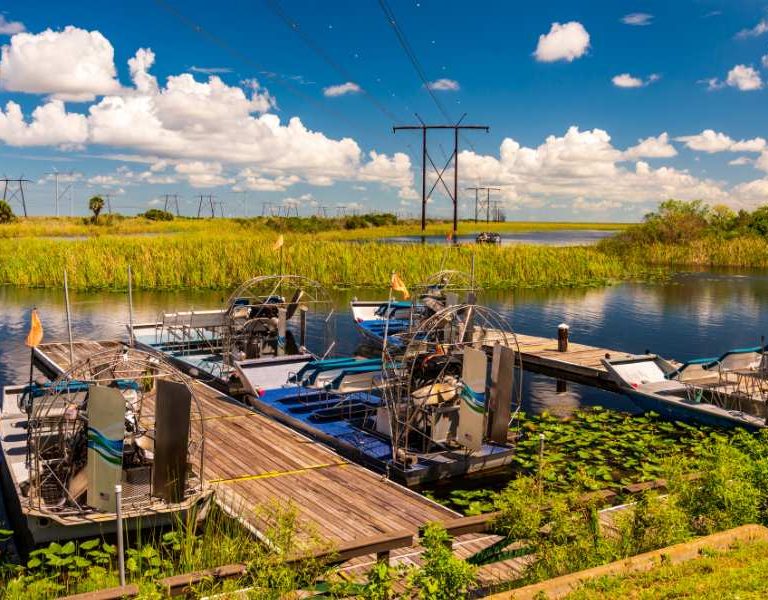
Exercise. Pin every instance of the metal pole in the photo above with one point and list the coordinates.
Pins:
(69, 320)
(386, 322)
(423, 178)
(120, 546)
(455, 182)
(56, 176)
(130, 306)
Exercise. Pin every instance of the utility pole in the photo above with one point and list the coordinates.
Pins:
(208, 199)
(171, 200)
(321, 212)
(481, 203)
(454, 158)
(16, 194)
(109, 202)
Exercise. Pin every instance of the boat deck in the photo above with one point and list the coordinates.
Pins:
(253, 462)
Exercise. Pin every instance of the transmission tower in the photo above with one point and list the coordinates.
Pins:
(208, 199)
(172, 200)
(58, 193)
(16, 194)
(454, 158)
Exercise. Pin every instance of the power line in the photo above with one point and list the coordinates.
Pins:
(390, 15)
(294, 26)
(237, 54)
(17, 194)
(487, 203)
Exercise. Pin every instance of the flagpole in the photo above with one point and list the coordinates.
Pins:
(386, 322)
(69, 321)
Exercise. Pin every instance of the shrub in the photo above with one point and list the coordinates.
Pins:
(155, 214)
(6, 212)
(653, 523)
(442, 575)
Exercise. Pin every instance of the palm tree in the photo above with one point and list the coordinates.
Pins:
(95, 205)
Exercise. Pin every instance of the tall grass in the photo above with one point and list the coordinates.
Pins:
(223, 260)
(746, 251)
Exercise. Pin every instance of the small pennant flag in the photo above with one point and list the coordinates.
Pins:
(279, 243)
(399, 286)
(35, 335)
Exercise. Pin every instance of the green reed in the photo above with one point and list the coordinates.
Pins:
(222, 260)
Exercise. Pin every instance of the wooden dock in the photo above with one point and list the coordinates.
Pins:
(253, 461)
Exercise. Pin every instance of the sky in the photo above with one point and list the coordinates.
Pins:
(597, 110)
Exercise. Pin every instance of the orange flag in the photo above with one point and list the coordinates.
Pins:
(399, 286)
(279, 243)
(35, 335)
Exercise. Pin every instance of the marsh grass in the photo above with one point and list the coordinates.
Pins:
(224, 260)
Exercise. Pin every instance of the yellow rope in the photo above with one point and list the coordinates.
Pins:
(270, 474)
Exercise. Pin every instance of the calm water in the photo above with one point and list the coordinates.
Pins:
(695, 314)
(581, 237)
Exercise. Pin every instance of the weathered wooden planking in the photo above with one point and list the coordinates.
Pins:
(253, 461)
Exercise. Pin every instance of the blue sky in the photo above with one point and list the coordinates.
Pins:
(567, 88)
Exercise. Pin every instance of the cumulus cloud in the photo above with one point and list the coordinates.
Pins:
(652, 147)
(342, 89)
(568, 42)
(586, 165)
(740, 161)
(756, 31)
(637, 19)
(50, 125)
(710, 141)
(72, 64)
(744, 78)
(444, 85)
(625, 80)
(10, 27)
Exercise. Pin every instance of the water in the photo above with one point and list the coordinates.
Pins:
(580, 237)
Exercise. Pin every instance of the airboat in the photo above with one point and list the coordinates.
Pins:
(120, 417)
(730, 390)
(375, 319)
(435, 405)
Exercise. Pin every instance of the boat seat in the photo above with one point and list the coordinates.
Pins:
(667, 386)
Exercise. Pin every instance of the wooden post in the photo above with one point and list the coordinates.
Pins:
(562, 337)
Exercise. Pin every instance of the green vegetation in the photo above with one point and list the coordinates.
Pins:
(692, 233)
(6, 212)
(736, 573)
(595, 449)
(96, 205)
(155, 214)
(225, 260)
(562, 531)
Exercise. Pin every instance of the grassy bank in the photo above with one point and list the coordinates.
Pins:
(737, 573)
(224, 260)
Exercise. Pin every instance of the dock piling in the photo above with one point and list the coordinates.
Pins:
(562, 337)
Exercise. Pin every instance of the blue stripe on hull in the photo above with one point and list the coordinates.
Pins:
(679, 412)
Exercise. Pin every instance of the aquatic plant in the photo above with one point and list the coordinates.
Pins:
(223, 260)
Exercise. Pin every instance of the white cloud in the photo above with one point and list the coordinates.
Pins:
(740, 161)
(580, 204)
(637, 19)
(10, 27)
(581, 164)
(710, 141)
(652, 147)
(444, 85)
(756, 31)
(762, 161)
(764, 61)
(340, 90)
(713, 84)
(210, 70)
(744, 78)
(50, 125)
(751, 194)
(625, 80)
(563, 42)
(201, 174)
(72, 64)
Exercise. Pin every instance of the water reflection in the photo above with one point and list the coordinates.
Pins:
(694, 314)
(577, 237)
